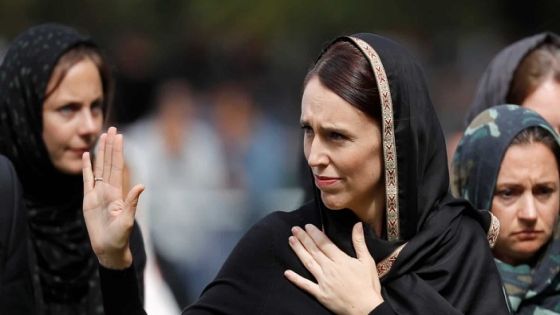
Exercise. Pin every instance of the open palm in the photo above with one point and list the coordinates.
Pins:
(109, 218)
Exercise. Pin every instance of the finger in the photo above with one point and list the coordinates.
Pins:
(108, 156)
(305, 257)
(99, 156)
(303, 283)
(87, 173)
(359, 241)
(132, 198)
(310, 245)
(323, 242)
(117, 163)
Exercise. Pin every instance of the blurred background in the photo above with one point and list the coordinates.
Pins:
(208, 96)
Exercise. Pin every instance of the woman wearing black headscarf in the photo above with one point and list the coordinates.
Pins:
(525, 73)
(377, 154)
(55, 88)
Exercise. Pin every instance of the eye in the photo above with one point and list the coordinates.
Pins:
(337, 136)
(543, 191)
(68, 109)
(97, 107)
(307, 130)
(507, 193)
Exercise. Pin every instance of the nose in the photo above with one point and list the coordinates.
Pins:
(528, 211)
(317, 154)
(89, 123)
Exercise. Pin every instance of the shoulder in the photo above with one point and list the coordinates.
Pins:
(7, 171)
(267, 240)
(470, 228)
(277, 225)
(285, 220)
(9, 184)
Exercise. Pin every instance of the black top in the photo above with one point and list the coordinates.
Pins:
(16, 294)
(252, 281)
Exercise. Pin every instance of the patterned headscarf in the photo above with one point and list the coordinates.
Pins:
(65, 268)
(475, 168)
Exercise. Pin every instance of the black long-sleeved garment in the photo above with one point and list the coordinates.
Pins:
(252, 281)
(16, 290)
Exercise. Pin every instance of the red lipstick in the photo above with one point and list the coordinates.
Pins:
(325, 181)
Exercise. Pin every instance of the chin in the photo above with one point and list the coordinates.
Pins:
(529, 249)
(333, 202)
(70, 168)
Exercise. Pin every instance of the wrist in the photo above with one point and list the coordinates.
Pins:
(116, 260)
(368, 305)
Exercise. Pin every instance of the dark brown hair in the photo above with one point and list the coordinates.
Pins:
(344, 69)
(72, 57)
(537, 134)
(539, 65)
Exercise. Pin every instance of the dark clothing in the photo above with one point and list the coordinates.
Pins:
(493, 87)
(532, 288)
(433, 256)
(16, 292)
(252, 281)
(63, 266)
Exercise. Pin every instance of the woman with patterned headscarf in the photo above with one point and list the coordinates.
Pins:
(508, 161)
(55, 88)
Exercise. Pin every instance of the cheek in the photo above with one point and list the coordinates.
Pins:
(51, 132)
(306, 147)
(98, 123)
(367, 165)
(550, 217)
(504, 214)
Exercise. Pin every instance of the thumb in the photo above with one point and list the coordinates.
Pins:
(359, 242)
(133, 197)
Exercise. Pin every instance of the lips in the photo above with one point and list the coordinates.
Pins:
(527, 235)
(325, 181)
(79, 151)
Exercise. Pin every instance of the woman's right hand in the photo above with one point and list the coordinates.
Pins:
(109, 218)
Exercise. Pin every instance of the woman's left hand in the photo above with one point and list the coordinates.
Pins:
(345, 285)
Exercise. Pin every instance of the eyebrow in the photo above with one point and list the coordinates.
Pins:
(515, 184)
(327, 128)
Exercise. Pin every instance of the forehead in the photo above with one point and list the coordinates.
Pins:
(81, 84)
(533, 160)
(321, 104)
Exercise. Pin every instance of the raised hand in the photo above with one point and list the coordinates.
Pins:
(345, 285)
(109, 218)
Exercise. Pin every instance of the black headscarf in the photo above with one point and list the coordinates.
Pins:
(426, 235)
(64, 262)
(495, 83)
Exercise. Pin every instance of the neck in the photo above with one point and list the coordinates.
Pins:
(373, 212)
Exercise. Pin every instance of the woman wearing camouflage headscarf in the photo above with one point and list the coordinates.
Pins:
(507, 161)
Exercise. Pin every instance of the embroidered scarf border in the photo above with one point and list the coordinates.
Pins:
(389, 147)
(385, 265)
(493, 231)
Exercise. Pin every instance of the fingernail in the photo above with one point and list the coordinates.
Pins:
(309, 227)
(295, 230)
(360, 228)
(292, 240)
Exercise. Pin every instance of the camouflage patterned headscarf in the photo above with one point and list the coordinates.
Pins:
(475, 169)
